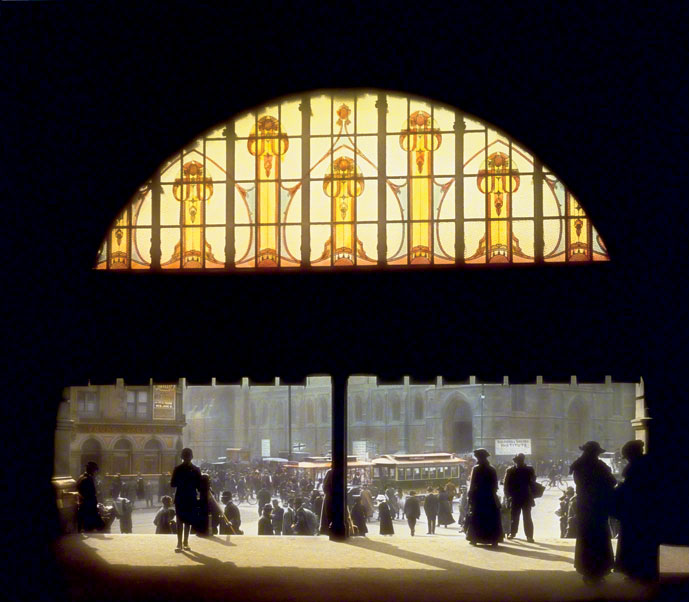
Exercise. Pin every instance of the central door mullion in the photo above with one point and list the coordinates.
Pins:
(338, 529)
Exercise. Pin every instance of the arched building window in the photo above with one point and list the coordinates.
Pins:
(122, 457)
(333, 179)
(152, 461)
(91, 451)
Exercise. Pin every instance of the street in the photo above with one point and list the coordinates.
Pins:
(546, 522)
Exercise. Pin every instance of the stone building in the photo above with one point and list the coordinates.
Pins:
(409, 417)
(125, 429)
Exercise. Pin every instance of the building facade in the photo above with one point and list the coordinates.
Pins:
(124, 429)
(408, 417)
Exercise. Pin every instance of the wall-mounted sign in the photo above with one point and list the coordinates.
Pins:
(265, 448)
(360, 450)
(164, 398)
(511, 447)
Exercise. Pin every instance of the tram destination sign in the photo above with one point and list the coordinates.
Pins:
(510, 447)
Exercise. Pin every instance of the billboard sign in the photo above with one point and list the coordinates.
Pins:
(511, 447)
(164, 397)
(265, 448)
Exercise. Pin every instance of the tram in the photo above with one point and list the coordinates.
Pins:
(418, 471)
(315, 467)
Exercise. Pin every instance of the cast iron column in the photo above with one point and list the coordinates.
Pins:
(338, 530)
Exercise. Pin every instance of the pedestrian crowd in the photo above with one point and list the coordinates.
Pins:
(597, 508)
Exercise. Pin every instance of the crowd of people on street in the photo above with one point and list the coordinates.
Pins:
(593, 511)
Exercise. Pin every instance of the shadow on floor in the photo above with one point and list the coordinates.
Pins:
(81, 576)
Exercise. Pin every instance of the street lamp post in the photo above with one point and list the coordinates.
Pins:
(483, 396)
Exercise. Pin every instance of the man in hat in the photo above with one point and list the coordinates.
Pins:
(484, 525)
(637, 510)
(518, 481)
(88, 516)
(593, 556)
(186, 478)
(412, 511)
(430, 507)
(231, 513)
(276, 516)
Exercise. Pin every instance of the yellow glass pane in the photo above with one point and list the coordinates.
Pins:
(522, 157)
(244, 162)
(397, 244)
(170, 208)
(553, 197)
(444, 241)
(522, 241)
(320, 203)
(444, 200)
(142, 210)
(472, 123)
(367, 202)
(290, 203)
(244, 240)
(320, 253)
(368, 235)
(215, 248)
(444, 156)
(397, 157)
(321, 109)
(554, 240)
(474, 152)
(397, 114)
(141, 247)
(215, 165)
(366, 114)
(474, 199)
(474, 232)
(290, 165)
(170, 245)
(291, 116)
(523, 197)
(397, 191)
(290, 256)
(444, 118)
(367, 155)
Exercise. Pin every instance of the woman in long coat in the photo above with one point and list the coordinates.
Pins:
(385, 518)
(445, 517)
(484, 525)
(358, 515)
(593, 556)
(638, 542)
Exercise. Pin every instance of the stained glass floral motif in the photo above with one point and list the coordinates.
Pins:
(330, 180)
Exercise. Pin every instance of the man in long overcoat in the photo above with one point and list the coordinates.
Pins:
(186, 478)
(385, 518)
(593, 478)
(430, 507)
(412, 511)
(484, 525)
(518, 481)
(88, 516)
(445, 517)
(358, 514)
(638, 542)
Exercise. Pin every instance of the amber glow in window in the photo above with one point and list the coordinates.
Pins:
(333, 179)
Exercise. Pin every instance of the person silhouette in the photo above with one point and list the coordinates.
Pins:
(518, 481)
(186, 478)
(635, 507)
(593, 556)
(484, 524)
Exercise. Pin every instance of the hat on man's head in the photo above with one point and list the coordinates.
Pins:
(519, 456)
(91, 466)
(225, 496)
(632, 448)
(481, 453)
(592, 447)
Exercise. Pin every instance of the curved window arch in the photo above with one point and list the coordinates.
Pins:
(333, 179)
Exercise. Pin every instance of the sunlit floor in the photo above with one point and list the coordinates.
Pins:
(133, 567)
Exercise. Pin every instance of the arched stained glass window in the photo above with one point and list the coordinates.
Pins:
(332, 179)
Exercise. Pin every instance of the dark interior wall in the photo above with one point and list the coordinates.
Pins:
(101, 94)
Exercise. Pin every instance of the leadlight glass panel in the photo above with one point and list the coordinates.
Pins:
(240, 197)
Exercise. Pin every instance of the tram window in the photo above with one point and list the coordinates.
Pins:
(408, 474)
(455, 471)
(432, 472)
(447, 471)
(425, 472)
(417, 473)
(376, 472)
